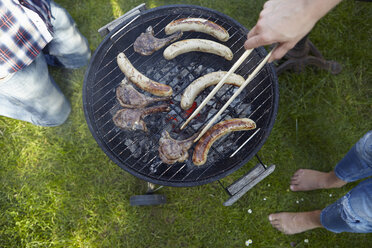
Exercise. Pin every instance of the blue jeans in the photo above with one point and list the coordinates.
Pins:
(31, 94)
(353, 212)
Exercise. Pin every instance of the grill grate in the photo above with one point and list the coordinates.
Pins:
(136, 151)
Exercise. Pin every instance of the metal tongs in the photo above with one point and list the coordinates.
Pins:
(219, 85)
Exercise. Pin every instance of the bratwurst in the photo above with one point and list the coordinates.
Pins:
(197, 45)
(217, 131)
(201, 83)
(198, 25)
(141, 80)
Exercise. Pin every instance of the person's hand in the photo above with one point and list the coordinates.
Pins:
(286, 22)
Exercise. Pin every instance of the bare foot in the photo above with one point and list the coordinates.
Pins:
(292, 223)
(305, 179)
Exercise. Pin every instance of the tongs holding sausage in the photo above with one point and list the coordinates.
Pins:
(219, 85)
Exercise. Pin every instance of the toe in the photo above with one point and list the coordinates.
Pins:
(296, 176)
(274, 217)
(294, 182)
(294, 187)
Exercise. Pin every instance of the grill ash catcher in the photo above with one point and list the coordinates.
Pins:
(136, 151)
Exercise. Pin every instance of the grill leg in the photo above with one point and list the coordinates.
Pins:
(149, 198)
(237, 189)
(299, 57)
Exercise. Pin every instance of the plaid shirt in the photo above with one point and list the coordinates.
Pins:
(20, 39)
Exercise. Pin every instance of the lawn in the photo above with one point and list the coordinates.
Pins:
(58, 188)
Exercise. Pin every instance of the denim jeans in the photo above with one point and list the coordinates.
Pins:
(31, 94)
(353, 212)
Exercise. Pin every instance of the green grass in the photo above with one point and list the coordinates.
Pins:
(58, 189)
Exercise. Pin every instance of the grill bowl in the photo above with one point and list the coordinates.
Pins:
(136, 152)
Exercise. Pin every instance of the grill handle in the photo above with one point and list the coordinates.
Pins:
(103, 31)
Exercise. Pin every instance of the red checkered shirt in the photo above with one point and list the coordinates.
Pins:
(20, 40)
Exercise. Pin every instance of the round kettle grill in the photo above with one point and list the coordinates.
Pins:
(136, 151)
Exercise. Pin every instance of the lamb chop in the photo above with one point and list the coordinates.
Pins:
(147, 43)
(129, 97)
(171, 150)
(132, 119)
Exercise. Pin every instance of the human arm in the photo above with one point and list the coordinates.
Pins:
(285, 22)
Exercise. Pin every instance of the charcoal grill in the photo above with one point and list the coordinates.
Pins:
(136, 152)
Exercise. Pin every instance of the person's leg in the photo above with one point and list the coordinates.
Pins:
(350, 213)
(69, 48)
(31, 95)
(357, 164)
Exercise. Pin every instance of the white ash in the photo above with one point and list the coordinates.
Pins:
(133, 148)
(209, 103)
(222, 148)
(223, 91)
(244, 110)
(157, 76)
(150, 71)
(138, 148)
(212, 113)
(236, 102)
(167, 67)
(154, 166)
(175, 81)
(190, 77)
(183, 74)
(191, 66)
(128, 143)
(212, 157)
(197, 125)
(115, 109)
(177, 97)
(209, 70)
(198, 70)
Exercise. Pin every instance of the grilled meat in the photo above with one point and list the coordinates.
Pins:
(132, 119)
(217, 131)
(171, 150)
(197, 45)
(141, 80)
(129, 97)
(147, 43)
(201, 83)
(198, 25)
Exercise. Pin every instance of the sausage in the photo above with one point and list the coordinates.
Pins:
(217, 131)
(201, 83)
(141, 80)
(198, 25)
(197, 45)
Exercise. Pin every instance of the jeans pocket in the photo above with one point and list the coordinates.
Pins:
(347, 214)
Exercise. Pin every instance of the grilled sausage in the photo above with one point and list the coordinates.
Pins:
(198, 25)
(197, 45)
(141, 80)
(217, 131)
(201, 83)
